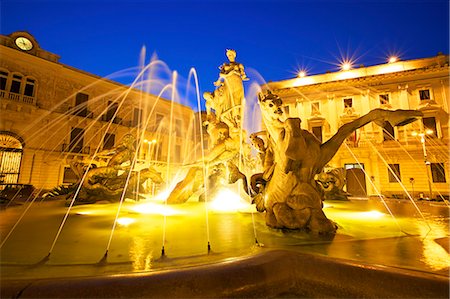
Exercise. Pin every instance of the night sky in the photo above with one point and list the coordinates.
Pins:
(273, 39)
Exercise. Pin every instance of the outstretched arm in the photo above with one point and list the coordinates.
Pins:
(379, 116)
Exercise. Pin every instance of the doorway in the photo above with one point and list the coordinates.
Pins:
(356, 180)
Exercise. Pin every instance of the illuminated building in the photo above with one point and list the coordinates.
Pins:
(326, 101)
(52, 113)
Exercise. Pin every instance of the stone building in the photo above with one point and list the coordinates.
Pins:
(52, 114)
(378, 160)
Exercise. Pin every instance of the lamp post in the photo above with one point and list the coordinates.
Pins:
(425, 157)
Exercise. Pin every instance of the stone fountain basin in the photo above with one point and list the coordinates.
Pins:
(267, 274)
(372, 255)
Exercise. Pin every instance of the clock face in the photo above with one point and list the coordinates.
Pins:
(24, 43)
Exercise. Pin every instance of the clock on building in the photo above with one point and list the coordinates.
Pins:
(24, 43)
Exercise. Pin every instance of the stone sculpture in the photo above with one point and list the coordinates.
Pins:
(286, 190)
(332, 182)
(224, 110)
(108, 182)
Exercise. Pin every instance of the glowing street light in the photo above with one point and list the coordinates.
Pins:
(393, 59)
(425, 157)
(346, 65)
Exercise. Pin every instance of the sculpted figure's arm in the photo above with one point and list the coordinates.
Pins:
(379, 116)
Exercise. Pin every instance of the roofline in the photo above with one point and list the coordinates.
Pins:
(352, 74)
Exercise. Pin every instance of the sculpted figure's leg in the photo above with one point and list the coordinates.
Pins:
(271, 220)
(320, 223)
(290, 218)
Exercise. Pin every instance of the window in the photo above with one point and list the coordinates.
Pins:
(159, 151)
(3, 80)
(354, 165)
(15, 84)
(109, 140)
(137, 117)
(10, 158)
(159, 118)
(111, 112)
(438, 172)
(29, 88)
(348, 103)
(317, 131)
(424, 95)
(177, 153)
(394, 173)
(315, 108)
(81, 104)
(429, 123)
(76, 140)
(286, 110)
(388, 132)
(205, 143)
(384, 99)
(178, 126)
(69, 176)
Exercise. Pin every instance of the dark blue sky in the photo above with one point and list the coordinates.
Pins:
(272, 38)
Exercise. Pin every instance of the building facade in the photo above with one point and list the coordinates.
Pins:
(52, 114)
(391, 161)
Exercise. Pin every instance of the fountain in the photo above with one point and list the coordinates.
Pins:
(214, 243)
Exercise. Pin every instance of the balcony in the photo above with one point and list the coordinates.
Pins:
(17, 97)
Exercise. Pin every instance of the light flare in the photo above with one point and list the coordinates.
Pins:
(125, 221)
(84, 213)
(371, 214)
(228, 201)
(393, 59)
(156, 209)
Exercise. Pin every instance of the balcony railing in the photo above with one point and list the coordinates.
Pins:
(17, 97)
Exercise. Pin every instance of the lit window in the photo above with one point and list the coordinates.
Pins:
(424, 94)
(348, 103)
(438, 173)
(384, 99)
(429, 124)
(315, 108)
(394, 173)
(354, 165)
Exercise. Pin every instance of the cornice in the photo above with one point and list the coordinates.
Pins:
(364, 81)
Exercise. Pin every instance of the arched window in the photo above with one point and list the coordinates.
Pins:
(11, 149)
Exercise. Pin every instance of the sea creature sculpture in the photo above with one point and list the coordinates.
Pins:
(286, 190)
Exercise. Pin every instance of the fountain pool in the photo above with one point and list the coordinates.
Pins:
(367, 235)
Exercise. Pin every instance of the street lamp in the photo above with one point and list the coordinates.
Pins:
(425, 158)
